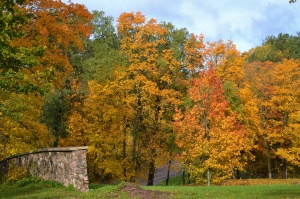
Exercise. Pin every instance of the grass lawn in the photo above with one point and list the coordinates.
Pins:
(243, 192)
(39, 189)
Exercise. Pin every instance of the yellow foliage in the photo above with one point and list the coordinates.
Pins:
(16, 172)
(21, 130)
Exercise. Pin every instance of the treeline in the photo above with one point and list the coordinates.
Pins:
(144, 93)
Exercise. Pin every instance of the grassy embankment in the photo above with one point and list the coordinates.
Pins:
(39, 189)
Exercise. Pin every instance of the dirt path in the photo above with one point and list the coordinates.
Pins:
(161, 173)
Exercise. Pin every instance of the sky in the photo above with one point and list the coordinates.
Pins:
(246, 22)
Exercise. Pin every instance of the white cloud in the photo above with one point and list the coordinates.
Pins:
(245, 22)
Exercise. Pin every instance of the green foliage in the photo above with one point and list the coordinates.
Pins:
(13, 58)
(54, 112)
(175, 39)
(101, 55)
(277, 48)
(104, 30)
(13, 81)
(11, 21)
(232, 96)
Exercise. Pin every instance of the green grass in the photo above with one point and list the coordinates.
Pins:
(176, 181)
(39, 189)
(223, 192)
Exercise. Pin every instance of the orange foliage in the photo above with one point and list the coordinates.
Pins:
(58, 27)
(209, 134)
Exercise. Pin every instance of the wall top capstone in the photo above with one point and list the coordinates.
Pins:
(56, 149)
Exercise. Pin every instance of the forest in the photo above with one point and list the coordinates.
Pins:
(143, 93)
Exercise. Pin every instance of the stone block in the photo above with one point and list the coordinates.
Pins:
(81, 176)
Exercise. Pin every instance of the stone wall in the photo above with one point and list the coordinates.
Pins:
(66, 165)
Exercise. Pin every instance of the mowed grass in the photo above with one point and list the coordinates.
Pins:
(39, 189)
(239, 192)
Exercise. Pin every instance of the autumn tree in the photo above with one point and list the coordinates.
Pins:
(209, 135)
(194, 50)
(260, 79)
(15, 58)
(58, 27)
(285, 101)
(151, 76)
(37, 38)
(20, 128)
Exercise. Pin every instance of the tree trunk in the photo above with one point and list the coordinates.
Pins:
(286, 169)
(137, 129)
(124, 147)
(101, 176)
(268, 158)
(233, 173)
(151, 173)
(208, 177)
(263, 122)
(183, 177)
(168, 174)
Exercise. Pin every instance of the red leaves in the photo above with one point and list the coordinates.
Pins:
(209, 134)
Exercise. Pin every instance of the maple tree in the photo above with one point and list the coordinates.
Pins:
(231, 66)
(208, 133)
(151, 77)
(285, 78)
(57, 27)
(258, 76)
(194, 50)
(37, 38)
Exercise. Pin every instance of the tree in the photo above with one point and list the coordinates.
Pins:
(15, 58)
(277, 48)
(194, 50)
(20, 128)
(103, 53)
(259, 77)
(285, 78)
(208, 133)
(58, 27)
(30, 30)
(175, 39)
(231, 67)
(151, 79)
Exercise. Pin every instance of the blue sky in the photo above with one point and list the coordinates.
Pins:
(246, 22)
